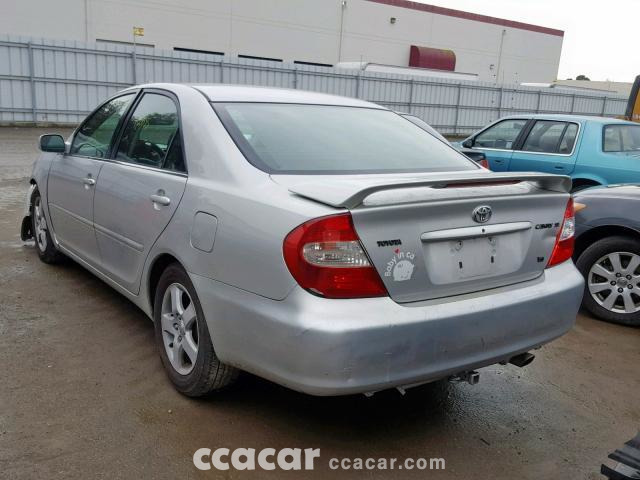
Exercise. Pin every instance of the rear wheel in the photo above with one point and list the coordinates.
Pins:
(611, 268)
(183, 337)
(47, 251)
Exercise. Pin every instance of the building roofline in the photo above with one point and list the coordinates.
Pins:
(450, 12)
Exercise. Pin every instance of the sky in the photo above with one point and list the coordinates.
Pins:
(601, 38)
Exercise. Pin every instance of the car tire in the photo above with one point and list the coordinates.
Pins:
(183, 339)
(47, 251)
(598, 282)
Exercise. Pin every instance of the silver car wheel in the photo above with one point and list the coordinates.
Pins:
(614, 283)
(40, 224)
(179, 324)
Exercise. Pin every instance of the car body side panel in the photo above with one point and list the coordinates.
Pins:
(608, 206)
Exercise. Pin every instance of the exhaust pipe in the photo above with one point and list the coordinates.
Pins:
(522, 360)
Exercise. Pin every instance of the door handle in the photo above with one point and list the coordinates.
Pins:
(88, 181)
(160, 200)
(558, 167)
(499, 160)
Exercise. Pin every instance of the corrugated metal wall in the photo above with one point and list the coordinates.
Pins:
(61, 81)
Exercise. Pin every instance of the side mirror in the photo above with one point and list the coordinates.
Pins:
(468, 143)
(52, 143)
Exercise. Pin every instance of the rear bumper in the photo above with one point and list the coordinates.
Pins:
(335, 347)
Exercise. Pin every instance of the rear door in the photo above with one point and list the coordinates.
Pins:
(72, 179)
(498, 140)
(139, 190)
(549, 146)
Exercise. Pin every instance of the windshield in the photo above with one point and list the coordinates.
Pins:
(621, 138)
(325, 139)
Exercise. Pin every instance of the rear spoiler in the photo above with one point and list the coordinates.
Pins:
(349, 194)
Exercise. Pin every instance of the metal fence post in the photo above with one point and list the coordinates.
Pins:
(538, 103)
(604, 106)
(222, 71)
(500, 92)
(358, 85)
(133, 65)
(410, 102)
(295, 77)
(32, 84)
(573, 101)
(457, 114)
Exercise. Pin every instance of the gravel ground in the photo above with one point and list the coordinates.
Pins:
(83, 393)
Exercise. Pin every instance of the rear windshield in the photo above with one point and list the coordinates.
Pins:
(325, 139)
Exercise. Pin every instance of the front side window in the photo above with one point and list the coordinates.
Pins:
(502, 135)
(95, 135)
(621, 138)
(545, 137)
(306, 139)
(151, 136)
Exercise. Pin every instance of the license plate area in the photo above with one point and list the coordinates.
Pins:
(473, 258)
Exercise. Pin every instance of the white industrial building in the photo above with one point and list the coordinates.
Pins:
(326, 32)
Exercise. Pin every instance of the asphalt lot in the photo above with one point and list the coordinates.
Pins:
(83, 393)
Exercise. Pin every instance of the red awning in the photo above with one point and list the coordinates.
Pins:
(436, 58)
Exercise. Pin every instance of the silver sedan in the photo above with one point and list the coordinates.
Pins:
(324, 243)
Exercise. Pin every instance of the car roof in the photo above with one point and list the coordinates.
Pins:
(575, 118)
(245, 93)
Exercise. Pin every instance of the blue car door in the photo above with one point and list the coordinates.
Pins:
(498, 140)
(549, 147)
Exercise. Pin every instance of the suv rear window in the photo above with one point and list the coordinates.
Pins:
(326, 139)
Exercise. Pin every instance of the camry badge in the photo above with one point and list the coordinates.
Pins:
(481, 214)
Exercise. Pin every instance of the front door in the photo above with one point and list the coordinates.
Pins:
(73, 176)
(498, 141)
(139, 190)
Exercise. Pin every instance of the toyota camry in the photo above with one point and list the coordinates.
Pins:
(324, 243)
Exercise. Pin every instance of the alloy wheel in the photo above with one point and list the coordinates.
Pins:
(40, 223)
(614, 282)
(179, 324)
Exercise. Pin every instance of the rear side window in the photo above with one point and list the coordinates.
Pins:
(547, 136)
(151, 136)
(502, 135)
(329, 139)
(95, 135)
(621, 138)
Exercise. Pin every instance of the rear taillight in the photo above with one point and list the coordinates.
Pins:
(483, 163)
(325, 256)
(565, 240)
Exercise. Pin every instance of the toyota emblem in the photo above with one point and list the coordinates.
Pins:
(481, 214)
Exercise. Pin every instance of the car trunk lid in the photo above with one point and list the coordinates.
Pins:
(431, 236)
